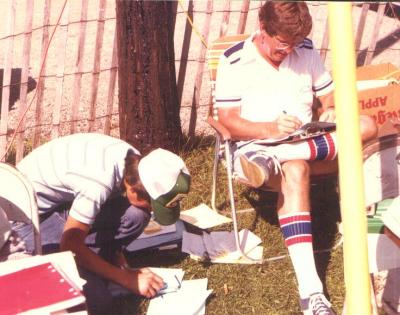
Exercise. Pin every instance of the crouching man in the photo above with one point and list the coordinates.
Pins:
(95, 194)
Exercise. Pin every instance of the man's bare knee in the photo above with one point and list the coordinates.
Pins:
(296, 172)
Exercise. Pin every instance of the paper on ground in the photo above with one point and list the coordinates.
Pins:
(203, 217)
(221, 246)
(64, 261)
(188, 300)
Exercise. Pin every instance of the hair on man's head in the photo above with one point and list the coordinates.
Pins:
(291, 20)
(131, 175)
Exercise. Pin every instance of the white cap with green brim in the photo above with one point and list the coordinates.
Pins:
(166, 179)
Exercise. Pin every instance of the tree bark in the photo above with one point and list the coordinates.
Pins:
(148, 97)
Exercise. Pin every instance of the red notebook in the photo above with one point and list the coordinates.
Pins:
(41, 287)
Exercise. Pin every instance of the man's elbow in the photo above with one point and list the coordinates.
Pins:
(72, 240)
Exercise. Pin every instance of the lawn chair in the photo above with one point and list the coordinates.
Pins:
(17, 199)
(224, 141)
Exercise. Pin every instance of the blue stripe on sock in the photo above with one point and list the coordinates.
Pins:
(322, 147)
(297, 228)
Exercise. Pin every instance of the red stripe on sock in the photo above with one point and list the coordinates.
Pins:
(332, 147)
(295, 218)
(313, 149)
(298, 240)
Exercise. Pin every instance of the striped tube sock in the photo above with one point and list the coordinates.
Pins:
(296, 230)
(322, 147)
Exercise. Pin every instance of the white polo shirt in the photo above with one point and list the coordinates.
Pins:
(84, 169)
(262, 92)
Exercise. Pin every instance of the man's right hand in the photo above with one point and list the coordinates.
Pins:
(143, 282)
(286, 124)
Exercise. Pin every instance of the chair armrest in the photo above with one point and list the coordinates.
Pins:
(219, 128)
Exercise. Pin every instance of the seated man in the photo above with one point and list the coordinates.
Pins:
(264, 90)
(95, 194)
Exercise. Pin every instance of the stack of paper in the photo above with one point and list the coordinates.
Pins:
(220, 247)
(188, 300)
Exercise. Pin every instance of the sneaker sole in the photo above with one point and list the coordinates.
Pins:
(254, 173)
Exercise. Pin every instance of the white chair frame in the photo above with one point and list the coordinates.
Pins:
(18, 200)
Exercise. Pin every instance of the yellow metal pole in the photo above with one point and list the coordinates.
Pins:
(355, 249)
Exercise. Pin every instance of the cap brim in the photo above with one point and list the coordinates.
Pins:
(164, 215)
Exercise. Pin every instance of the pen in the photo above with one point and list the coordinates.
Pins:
(179, 284)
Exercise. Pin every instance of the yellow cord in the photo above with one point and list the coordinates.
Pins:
(193, 27)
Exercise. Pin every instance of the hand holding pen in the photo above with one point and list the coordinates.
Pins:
(287, 124)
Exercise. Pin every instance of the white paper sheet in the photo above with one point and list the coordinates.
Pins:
(188, 300)
(203, 217)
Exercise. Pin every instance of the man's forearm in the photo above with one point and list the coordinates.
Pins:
(74, 240)
(242, 129)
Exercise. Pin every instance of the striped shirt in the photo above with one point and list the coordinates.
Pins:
(246, 80)
(85, 169)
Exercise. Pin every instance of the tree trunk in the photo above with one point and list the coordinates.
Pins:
(148, 97)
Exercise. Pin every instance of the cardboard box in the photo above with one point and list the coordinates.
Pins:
(381, 103)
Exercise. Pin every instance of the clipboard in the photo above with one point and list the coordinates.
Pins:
(307, 131)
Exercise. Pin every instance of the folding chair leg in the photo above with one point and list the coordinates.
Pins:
(215, 173)
(232, 200)
(231, 194)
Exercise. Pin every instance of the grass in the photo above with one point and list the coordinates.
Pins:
(265, 289)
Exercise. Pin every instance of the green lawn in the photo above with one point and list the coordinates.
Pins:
(264, 289)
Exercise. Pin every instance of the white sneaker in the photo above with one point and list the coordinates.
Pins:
(258, 167)
(316, 304)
